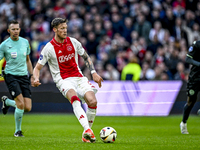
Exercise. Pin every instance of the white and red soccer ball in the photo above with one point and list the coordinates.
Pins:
(108, 134)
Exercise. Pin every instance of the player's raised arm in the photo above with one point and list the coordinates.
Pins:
(90, 65)
(36, 75)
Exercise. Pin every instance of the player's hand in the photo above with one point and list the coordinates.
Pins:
(35, 83)
(31, 79)
(97, 79)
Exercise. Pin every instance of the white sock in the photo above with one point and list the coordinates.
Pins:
(91, 114)
(80, 114)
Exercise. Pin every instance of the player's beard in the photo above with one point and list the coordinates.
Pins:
(61, 37)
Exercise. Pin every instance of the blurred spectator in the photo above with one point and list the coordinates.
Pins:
(74, 22)
(155, 17)
(99, 31)
(42, 25)
(135, 36)
(154, 45)
(121, 60)
(189, 18)
(178, 8)
(180, 75)
(132, 70)
(142, 51)
(158, 71)
(197, 11)
(164, 76)
(173, 61)
(127, 29)
(179, 32)
(168, 21)
(143, 27)
(112, 53)
(7, 9)
(193, 33)
(103, 47)
(111, 73)
(117, 24)
(100, 70)
(159, 57)
(88, 27)
(92, 44)
(108, 28)
(59, 7)
(148, 57)
(157, 30)
(42, 42)
(135, 47)
(45, 75)
(147, 73)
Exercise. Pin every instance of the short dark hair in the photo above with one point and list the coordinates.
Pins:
(57, 21)
(13, 22)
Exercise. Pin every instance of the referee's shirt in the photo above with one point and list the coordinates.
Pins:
(15, 53)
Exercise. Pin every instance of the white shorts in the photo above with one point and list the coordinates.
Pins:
(81, 85)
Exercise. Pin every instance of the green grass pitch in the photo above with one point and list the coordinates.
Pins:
(63, 132)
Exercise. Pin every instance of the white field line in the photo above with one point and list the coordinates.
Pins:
(143, 91)
(143, 103)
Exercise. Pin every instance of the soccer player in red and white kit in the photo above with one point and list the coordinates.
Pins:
(61, 53)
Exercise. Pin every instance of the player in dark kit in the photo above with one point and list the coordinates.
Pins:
(193, 85)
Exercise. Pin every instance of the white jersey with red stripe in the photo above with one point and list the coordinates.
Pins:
(62, 58)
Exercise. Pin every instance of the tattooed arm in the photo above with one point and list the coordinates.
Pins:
(90, 65)
(88, 62)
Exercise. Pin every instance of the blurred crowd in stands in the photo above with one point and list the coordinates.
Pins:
(126, 39)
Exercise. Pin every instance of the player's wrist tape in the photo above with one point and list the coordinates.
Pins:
(93, 71)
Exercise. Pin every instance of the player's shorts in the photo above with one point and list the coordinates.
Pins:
(81, 85)
(193, 87)
(18, 85)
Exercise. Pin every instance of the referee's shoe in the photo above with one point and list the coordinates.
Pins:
(4, 106)
(18, 134)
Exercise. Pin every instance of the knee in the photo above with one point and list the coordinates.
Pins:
(27, 109)
(20, 105)
(92, 103)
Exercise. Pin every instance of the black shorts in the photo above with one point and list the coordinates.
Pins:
(193, 87)
(18, 85)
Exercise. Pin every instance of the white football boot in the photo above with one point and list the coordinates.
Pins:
(183, 127)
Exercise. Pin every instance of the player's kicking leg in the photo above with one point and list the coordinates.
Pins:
(91, 113)
(88, 135)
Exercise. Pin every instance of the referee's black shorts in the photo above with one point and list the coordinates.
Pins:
(18, 85)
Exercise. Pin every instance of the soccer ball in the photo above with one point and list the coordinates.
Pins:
(108, 135)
